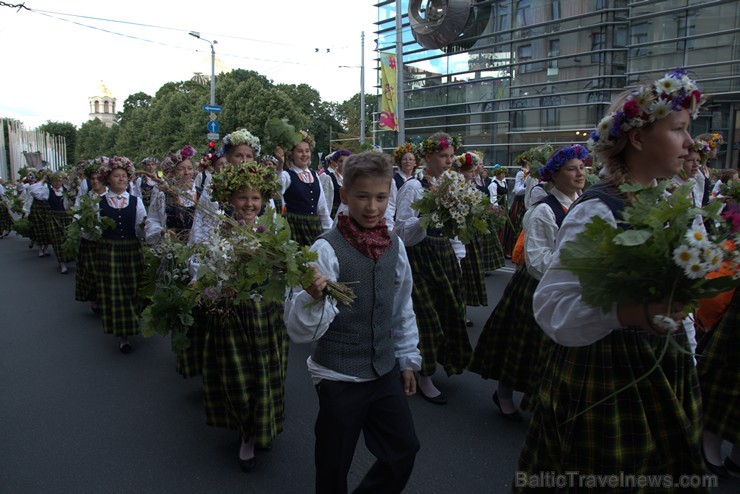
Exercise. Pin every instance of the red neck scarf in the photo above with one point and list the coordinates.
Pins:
(371, 242)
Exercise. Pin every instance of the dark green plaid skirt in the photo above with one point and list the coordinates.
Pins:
(39, 225)
(719, 374)
(492, 252)
(514, 225)
(244, 364)
(119, 269)
(510, 347)
(86, 288)
(653, 427)
(473, 274)
(190, 361)
(6, 220)
(439, 306)
(58, 221)
(304, 228)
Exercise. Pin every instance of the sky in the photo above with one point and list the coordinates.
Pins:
(55, 55)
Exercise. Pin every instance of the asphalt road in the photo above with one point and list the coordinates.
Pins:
(77, 416)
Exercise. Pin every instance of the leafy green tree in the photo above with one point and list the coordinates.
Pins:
(95, 139)
(133, 140)
(66, 130)
(348, 113)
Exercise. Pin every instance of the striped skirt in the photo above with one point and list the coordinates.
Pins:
(190, 361)
(119, 269)
(473, 274)
(304, 228)
(39, 222)
(653, 427)
(719, 375)
(510, 347)
(492, 252)
(58, 221)
(86, 288)
(6, 220)
(439, 306)
(514, 225)
(244, 364)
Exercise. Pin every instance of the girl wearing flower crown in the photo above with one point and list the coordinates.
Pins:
(305, 206)
(511, 347)
(608, 403)
(407, 158)
(119, 263)
(51, 189)
(144, 184)
(245, 343)
(437, 293)
(172, 205)
(703, 187)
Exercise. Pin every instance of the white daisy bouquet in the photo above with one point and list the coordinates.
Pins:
(660, 250)
(454, 206)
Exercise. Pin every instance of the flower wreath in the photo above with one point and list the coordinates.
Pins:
(429, 146)
(239, 137)
(92, 168)
(303, 136)
(150, 159)
(716, 140)
(56, 175)
(272, 159)
(560, 158)
(467, 160)
(170, 162)
(210, 159)
(645, 105)
(409, 147)
(235, 177)
(338, 154)
(107, 165)
(703, 148)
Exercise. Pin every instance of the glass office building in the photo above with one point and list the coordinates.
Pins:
(527, 72)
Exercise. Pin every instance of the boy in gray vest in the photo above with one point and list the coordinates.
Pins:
(365, 354)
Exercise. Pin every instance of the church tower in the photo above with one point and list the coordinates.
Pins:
(103, 105)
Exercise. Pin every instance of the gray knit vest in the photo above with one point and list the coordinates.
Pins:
(359, 342)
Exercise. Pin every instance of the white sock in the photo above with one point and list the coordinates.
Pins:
(427, 387)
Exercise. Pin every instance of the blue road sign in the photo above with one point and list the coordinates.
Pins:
(212, 108)
(212, 126)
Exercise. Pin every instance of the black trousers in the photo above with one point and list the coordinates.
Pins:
(379, 409)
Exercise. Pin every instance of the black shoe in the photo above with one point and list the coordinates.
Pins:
(732, 468)
(440, 399)
(718, 470)
(125, 347)
(514, 416)
(469, 323)
(248, 465)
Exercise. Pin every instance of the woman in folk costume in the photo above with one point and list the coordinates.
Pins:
(120, 260)
(511, 347)
(407, 158)
(493, 252)
(85, 277)
(516, 209)
(610, 402)
(331, 180)
(169, 211)
(703, 178)
(38, 215)
(245, 343)
(144, 184)
(305, 206)
(437, 293)
(6, 219)
(212, 162)
(51, 189)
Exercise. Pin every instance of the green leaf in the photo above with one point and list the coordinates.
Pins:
(632, 238)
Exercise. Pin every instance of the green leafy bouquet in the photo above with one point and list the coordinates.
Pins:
(14, 201)
(454, 206)
(87, 221)
(654, 253)
(279, 133)
(731, 190)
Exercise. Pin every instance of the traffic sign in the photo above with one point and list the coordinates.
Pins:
(213, 116)
(212, 108)
(212, 126)
(212, 136)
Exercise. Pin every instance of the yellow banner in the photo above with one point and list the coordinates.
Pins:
(388, 119)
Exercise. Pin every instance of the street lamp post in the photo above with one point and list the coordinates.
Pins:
(196, 34)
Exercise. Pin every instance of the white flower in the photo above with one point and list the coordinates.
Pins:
(684, 255)
(668, 85)
(665, 323)
(645, 98)
(255, 296)
(713, 258)
(254, 245)
(605, 124)
(660, 109)
(697, 236)
(695, 270)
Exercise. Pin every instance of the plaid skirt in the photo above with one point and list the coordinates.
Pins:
(190, 361)
(514, 225)
(719, 374)
(510, 347)
(39, 225)
(244, 364)
(6, 220)
(304, 228)
(119, 268)
(653, 427)
(58, 221)
(473, 274)
(86, 287)
(492, 254)
(439, 306)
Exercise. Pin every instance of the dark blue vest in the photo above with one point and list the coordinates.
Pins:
(179, 217)
(300, 197)
(125, 219)
(557, 208)
(609, 194)
(56, 203)
(337, 199)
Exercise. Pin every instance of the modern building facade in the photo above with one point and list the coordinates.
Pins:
(526, 72)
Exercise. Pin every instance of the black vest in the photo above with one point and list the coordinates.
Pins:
(609, 194)
(179, 217)
(56, 203)
(557, 208)
(300, 197)
(337, 199)
(125, 219)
